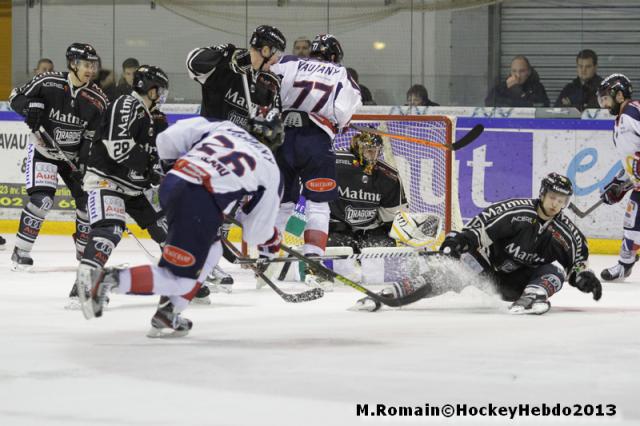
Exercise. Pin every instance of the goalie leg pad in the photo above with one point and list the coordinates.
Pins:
(286, 210)
(418, 230)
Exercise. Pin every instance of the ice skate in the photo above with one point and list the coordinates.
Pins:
(617, 272)
(317, 279)
(167, 323)
(531, 302)
(22, 260)
(3, 243)
(202, 296)
(219, 281)
(93, 286)
(73, 304)
(396, 290)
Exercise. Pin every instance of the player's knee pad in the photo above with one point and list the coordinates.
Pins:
(317, 228)
(286, 210)
(548, 277)
(40, 203)
(102, 240)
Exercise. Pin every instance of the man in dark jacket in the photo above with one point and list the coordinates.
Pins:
(521, 89)
(581, 92)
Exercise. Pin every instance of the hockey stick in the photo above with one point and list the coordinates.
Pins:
(52, 144)
(584, 213)
(472, 135)
(305, 296)
(360, 256)
(418, 294)
(144, 249)
(247, 95)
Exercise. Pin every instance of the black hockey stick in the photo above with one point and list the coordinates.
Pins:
(472, 135)
(584, 213)
(305, 296)
(52, 144)
(418, 294)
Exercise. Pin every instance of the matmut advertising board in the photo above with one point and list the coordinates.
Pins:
(507, 161)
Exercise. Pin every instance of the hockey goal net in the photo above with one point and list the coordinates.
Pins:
(426, 172)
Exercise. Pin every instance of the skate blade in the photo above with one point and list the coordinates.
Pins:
(536, 309)
(21, 268)
(201, 300)
(165, 333)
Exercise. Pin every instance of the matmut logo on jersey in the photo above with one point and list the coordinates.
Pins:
(177, 256)
(320, 185)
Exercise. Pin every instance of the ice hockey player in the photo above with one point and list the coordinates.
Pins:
(528, 247)
(218, 165)
(318, 99)
(614, 94)
(219, 71)
(121, 169)
(369, 196)
(69, 107)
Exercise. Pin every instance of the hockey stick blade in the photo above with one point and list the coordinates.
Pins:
(418, 294)
(471, 136)
(305, 296)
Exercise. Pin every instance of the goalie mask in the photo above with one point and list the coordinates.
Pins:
(366, 147)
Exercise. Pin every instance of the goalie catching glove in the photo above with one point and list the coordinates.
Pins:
(416, 230)
(615, 190)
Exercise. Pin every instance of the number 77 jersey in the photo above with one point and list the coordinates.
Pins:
(322, 89)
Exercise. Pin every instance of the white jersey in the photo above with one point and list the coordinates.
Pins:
(324, 90)
(230, 163)
(626, 137)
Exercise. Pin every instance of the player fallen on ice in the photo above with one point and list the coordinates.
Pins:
(528, 247)
(217, 166)
(614, 94)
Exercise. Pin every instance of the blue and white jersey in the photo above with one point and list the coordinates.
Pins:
(322, 89)
(229, 163)
(626, 137)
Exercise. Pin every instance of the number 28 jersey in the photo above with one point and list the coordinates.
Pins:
(229, 163)
(322, 89)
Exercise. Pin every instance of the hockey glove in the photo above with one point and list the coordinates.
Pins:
(587, 282)
(615, 190)
(271, 247)
(34, 114)
(454, 244)
(240, 61)
(160, 123)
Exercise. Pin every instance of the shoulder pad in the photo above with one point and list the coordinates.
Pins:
(632, 109)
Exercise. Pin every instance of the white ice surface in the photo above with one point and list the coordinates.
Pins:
(252, 359)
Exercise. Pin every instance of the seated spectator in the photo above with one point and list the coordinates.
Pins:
(302, 47)
(365, 93)
(44, 65)
(417, 95)
(125, 85)
(521, 89)
(581, 92)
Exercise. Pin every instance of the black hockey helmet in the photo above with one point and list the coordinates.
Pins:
(148, 77)
(610, 86)
(266, 89)
(267, 127)
(81, 51)
(366, 147)
(266, 35)
(555, 182)
(324, 46)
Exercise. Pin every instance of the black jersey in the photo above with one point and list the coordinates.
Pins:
(512, 236)
(124, 156)
(222, 89)
(365, 201)
(72, 115)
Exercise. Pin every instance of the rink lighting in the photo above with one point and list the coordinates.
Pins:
(379, 45)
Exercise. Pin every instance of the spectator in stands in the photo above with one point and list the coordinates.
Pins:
(365, 93)
(581, 92)
(125, 85)
(44, 65)
(521, 89)
(417, 95)
(302, 47)
(105, 79)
